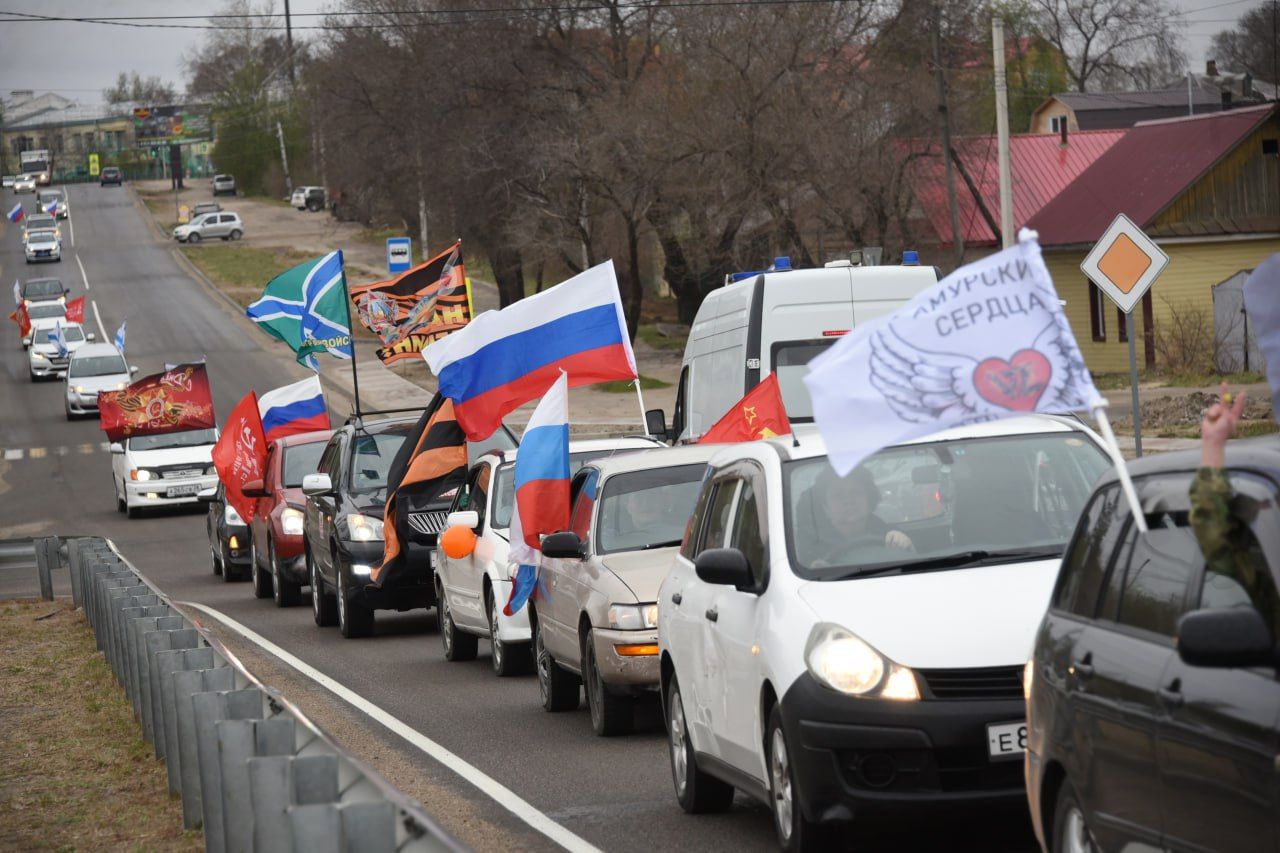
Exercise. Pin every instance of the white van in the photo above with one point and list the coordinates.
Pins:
(778, 320)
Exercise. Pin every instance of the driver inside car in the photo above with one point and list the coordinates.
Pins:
(845, 519)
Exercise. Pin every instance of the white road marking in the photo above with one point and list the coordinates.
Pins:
(500, 793)
(102, 331)
(12, 454)
(72, 229)
(83, 274)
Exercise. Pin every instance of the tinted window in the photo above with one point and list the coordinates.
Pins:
(747, 536)
(299, 461)
(478, 491)
(504, 495)
(1091, 553)
(717, 525)
(189, 438)
(329, 459)
(1247, 580)
(791, 363)
(371, 459)
(97, 365)
(1149, 584)
(646, 509)
(584, 502)
(48, 287)
(689, 545)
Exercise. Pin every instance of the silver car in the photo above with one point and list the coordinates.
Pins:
(43, 246)
(94, 368)
(24, 184)
(222, 225)
(598, 622)
(224, 184)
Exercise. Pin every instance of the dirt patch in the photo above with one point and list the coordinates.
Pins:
(1179, 415)
(74, 770)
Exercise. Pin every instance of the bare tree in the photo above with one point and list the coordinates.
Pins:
(1112, 43)
(134, 89)
(1253, 46)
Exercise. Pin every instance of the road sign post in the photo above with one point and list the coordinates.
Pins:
(399, 254)
(1124, 264)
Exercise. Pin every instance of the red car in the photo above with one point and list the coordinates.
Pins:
(275, 530)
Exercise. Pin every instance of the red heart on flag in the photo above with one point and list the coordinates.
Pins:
(1016, 384)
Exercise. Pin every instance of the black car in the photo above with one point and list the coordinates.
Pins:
(110, 175)
(228, 536)
(44, 290)
(1153, 699)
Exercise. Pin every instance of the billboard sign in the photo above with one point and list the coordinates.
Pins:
(152, 125)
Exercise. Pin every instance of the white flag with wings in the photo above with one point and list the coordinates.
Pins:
(988, 341)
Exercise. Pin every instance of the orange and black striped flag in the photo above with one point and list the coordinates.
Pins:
(431, 462)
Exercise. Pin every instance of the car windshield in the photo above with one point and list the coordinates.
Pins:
(74, 335)
(505, 489)
(372, 455)
(97, 365)
(189, 438)
(42, 237)
(939, 505)
(646, 509)
(45, 310)
(38, 221)
(47, 196)
(299, 461)
(42, 287)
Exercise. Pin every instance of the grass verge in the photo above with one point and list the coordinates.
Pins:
(1119, 381)
(648, 332)
(75, 773)
(242, 271)
(646, 383)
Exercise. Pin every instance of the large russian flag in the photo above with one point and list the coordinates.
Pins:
(293, 409)
(506, 358)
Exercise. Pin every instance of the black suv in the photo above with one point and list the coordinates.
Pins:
(1153, 705)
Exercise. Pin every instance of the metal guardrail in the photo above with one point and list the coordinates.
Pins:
(250, 767)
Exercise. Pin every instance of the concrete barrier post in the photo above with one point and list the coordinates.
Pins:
(187, 683)
(208, 709)
(169, 664)
(238, 741)
(163, 641)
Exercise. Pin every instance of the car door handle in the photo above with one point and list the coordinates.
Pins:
(676, 598)
(1083, 668)
(712, 614)
(1171, 697)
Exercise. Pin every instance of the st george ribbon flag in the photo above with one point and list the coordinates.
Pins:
(542, 489)
(306, 307)
(294, 409)
(1262, 305)
(989, 341)
(241, 454)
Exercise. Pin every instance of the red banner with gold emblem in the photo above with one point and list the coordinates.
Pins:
(760, 414)
(174, 401)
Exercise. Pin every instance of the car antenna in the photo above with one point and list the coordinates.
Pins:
(795, 439)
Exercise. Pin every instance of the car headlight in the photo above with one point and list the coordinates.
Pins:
(364, 528)
(848, 664)
(38, 356)
(142, 475)
(633, 617)
(291, 521)
(1028, 678)
(230, 516)
(210, 471)
(79, 389)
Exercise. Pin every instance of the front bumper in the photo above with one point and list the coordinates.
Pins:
(42, 255)
(82, 404)
(156, 492)
(884, 759)
(634, 671)
(49, 367)
(240, 554)
(408, 590)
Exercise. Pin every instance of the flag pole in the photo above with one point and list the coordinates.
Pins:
(1099, 409)
(639, 396)
(355, 374)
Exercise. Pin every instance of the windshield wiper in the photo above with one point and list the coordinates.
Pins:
(952, 561)
(653, 545)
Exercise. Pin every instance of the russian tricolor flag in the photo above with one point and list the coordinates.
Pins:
(16, 214)
(293, 409)
(542, 489)
(504, 359)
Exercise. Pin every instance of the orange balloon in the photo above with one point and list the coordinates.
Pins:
(458, 542)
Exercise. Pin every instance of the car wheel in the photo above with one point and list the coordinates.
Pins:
(322, 606)
(508, 659)
(355, 618)
(611, 714)
(193, 238)
(696, 792)
(261, 580)
(236, 234)
(226, 564)
(795, 832)
(458, 645)
(120, 506)
(213, 552)
(1071, 832)
(557, 686)
(284, 592)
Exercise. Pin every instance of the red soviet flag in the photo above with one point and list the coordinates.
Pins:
(760, 414)
(241, 454)
(177, 400)
(23, 320)
(75, 310)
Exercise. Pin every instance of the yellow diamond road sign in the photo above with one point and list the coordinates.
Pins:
(1124, 263)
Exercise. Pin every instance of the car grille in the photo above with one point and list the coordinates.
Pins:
(179, 472)
(992, 682)
(428, 523)
(58, 363)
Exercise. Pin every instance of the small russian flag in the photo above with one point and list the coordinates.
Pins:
(16, 214)
(52, 207)
(293, 409)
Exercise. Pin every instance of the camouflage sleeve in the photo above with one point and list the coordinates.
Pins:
(1215, 528)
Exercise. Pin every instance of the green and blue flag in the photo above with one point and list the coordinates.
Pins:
(306, 307)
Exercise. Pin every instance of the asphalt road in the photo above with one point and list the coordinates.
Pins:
(55, 478)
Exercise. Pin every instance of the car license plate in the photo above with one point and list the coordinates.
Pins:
(1006, 740)
(182, 491)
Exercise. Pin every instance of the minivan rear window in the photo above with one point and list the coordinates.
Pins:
(791, 362)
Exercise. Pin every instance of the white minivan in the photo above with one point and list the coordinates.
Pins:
(853, 647)
(777, 321)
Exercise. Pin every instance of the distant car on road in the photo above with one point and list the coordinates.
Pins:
(167, 470)
(43, 359)
(46, 197)
(39, 222)
(204, 207)
(111, 175)
(221, 225)
(44, 290)
(1152, 690)
(24, 184)
(43, 315)
(43, 246)
(8, 180)
(227, 534)
(308, 198)
(94, 367)
(275, 530)
(224, 185)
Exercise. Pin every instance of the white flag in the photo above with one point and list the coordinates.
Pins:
(988, 341)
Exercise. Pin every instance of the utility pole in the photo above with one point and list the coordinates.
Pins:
(1002, 134)
(1191, 104)
(422, 207)
(944, 122)
(284, 159)
(288, 43)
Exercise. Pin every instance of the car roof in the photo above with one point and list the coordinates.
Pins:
(317, 436)
(579, 445)
(1261, 454)
(666, 457)
(381, 423)
(97, 349)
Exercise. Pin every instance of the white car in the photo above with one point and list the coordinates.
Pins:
(223, 225)
(46, 197)
(43, 315)
(43, 246)
(162, 470)
(473, 590)
(8, 180)
(42, 356)
(854, 647)
(304, 198)
(24, 184)
(224, 184)
(93, 368)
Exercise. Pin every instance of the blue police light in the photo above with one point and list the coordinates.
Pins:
(910, 258)
(781, 264)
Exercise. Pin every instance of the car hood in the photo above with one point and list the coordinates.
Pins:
(99, 383)
(201, 454)
(950, 619)
(372, 500)
(642, 571)
(50, 349)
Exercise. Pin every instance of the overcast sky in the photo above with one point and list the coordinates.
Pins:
(81, 59)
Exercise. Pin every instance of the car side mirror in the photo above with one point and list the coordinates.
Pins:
(133, 368)
(207, 496)
(317, 485)
(1225, 638)
(92, 336)
(116, 447)
(564, 545)
(253, 489)
(468, 518)
(724, 566)
(655, 421)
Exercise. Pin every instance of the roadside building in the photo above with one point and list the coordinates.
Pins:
(70, 131)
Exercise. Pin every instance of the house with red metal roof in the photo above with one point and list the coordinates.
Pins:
(1206, 188)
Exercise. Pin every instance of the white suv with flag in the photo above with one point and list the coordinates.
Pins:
(163, 470)
(855, 646)
(51, 348)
